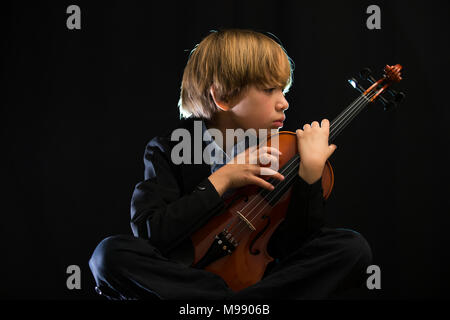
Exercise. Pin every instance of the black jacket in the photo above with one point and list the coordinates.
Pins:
(173, 201)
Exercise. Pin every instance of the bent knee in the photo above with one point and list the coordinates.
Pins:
(356, 247)
(108, 255)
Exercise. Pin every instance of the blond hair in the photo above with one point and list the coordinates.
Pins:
(231, 60)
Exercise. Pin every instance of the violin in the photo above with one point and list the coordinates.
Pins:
(233, 244)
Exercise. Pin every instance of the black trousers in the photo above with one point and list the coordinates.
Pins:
(127, 267)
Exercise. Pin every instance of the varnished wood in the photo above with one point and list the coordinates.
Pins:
(242, 269)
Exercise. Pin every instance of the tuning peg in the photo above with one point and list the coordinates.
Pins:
(390, 105)
(399, 97)
(395, 101)
(365, 73)
(384, 102)
(354, 83)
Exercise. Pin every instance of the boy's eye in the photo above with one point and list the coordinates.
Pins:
(269, 90)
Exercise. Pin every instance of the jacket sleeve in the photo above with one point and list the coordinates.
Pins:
(160, 213)
(304, 217)
(307, 207)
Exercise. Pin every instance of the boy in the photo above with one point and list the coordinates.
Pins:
(234, 79)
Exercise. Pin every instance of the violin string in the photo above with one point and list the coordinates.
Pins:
(346, 121)
(275, 183)
(243, 226)
(279, 190)
(358, 100)
(241, 223)
(346, 116)
(338, 127)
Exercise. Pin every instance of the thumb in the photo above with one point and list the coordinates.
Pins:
(332, 148)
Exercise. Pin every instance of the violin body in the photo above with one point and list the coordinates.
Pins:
(246, 264)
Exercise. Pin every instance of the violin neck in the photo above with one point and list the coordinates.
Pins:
(346, 116)
(290, 169)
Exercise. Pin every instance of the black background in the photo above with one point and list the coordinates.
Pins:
(79, 106)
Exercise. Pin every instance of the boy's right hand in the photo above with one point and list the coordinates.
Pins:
(245, 169)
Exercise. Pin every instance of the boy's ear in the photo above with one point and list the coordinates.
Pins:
(220, 104)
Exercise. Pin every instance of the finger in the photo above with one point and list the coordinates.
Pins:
(306, 126)
(264, 171)
(331, 148)
(267, 158)
(267, 149)
(315, 124)
(261, 183)
(325, 123)
(299, 132)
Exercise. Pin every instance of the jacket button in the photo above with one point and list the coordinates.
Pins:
(201, 188)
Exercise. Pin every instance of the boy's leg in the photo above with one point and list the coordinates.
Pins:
(127, 267)
(335, 259)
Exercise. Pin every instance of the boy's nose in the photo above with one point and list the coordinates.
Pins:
(282, 105)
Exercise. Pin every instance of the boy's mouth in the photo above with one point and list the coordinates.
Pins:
(278, 123)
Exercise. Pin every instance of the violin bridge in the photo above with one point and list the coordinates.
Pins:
(252, 227)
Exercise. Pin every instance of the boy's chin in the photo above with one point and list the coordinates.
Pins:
(275, 127)
(270, 130)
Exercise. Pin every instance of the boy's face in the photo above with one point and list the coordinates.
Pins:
(260, 109)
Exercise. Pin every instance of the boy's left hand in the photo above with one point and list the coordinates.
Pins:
(314, 150)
